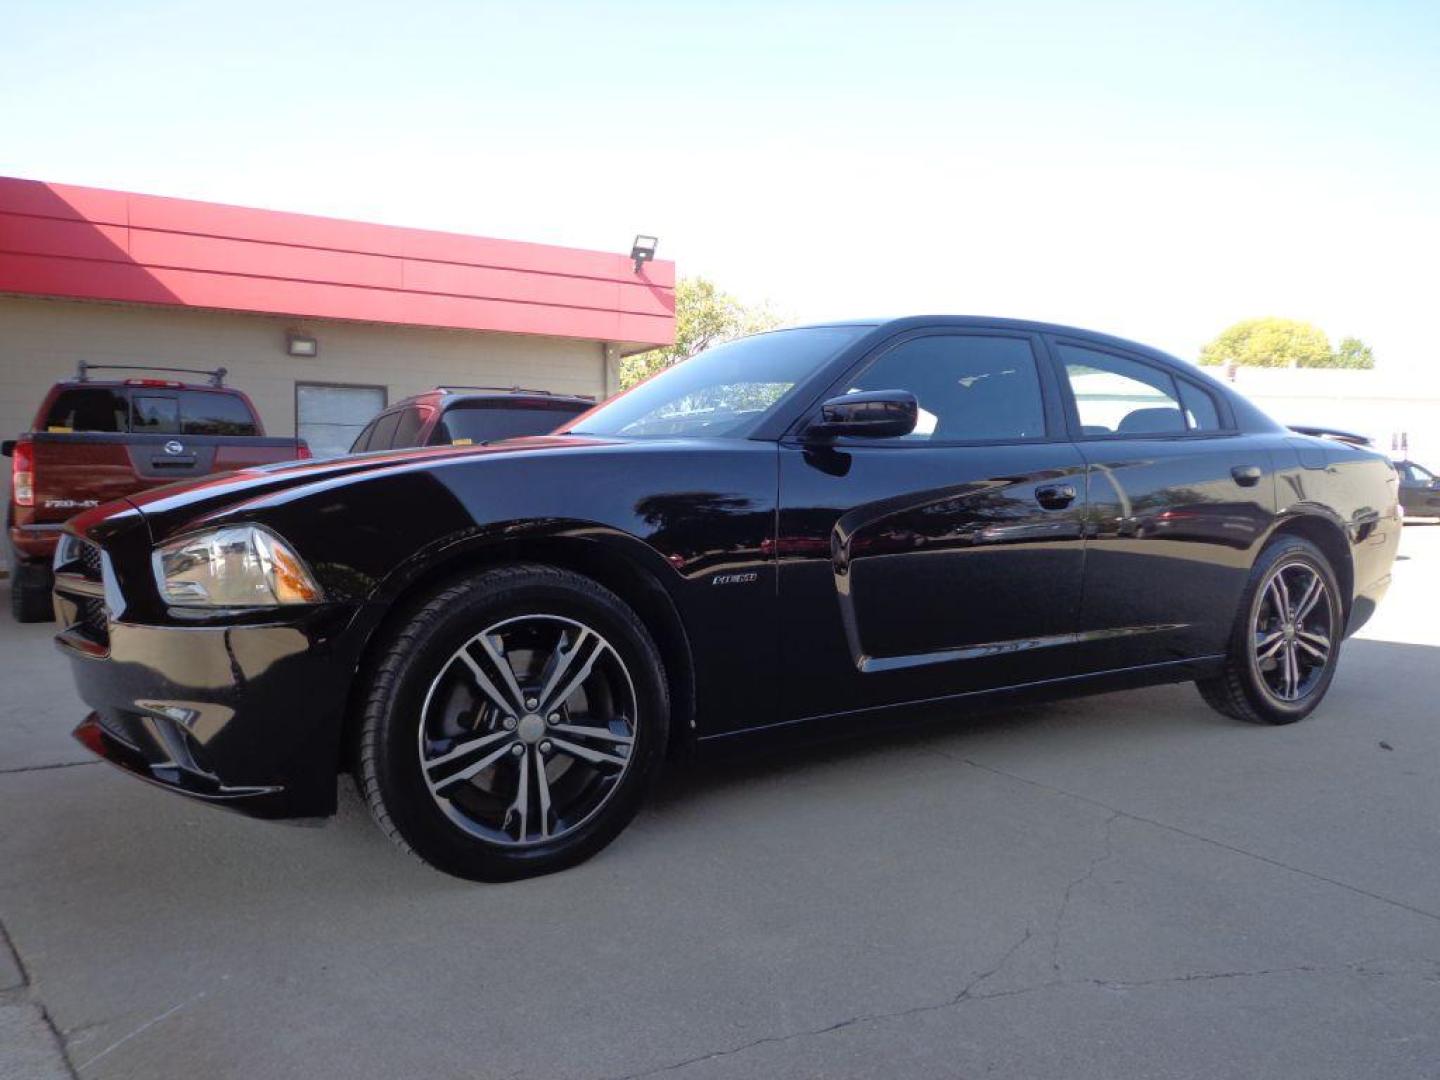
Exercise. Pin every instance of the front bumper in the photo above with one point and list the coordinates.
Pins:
(246, 716)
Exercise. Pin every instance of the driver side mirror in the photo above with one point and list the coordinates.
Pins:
(7, 448)
(876, 414)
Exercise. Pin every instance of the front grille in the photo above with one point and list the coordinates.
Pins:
(89, 561)
(92, 621)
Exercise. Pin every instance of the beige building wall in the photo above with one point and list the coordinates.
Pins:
(41, 341)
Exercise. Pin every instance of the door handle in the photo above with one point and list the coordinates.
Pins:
(1055, 496)
(1246, 475)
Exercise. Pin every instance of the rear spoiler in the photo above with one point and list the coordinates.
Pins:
(216, 377)
(1332, 433)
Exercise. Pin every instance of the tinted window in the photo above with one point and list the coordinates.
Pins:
(205, 413)
(969, 388)
(383, 437)
(155, 415)
(364, 439)
(1200, 411)
(90, 409)
(1116, 396)
(724, 391)
(407, 431)
(481, 422)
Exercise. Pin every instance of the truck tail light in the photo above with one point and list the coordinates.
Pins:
(22, 478)
(302, 450)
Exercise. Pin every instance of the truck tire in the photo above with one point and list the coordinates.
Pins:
(30, 594)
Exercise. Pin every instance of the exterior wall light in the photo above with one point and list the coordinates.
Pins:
(643, 250)
(301, 345)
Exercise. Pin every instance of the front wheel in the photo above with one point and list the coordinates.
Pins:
(1286, 639)
(512, 725)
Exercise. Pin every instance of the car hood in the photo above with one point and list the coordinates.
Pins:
(190, 499)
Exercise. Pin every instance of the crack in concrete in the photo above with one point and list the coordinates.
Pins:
(1064, 907)
(146, 1026)
(25, 992)
(1312, 874)
(44, 768)
(967, 995)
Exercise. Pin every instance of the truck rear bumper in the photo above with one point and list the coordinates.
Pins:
(35, 543)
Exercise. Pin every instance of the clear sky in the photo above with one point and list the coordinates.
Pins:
(1153, 170)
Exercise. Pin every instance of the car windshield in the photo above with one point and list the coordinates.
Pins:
(723, 391)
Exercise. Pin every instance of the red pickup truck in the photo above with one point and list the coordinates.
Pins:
(94, 441)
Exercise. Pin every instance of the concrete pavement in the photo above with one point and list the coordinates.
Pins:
(1124, 885)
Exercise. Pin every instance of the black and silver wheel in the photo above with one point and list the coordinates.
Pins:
(1286, 639)
(513, 724)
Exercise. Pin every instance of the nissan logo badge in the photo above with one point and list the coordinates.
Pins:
(174, 446)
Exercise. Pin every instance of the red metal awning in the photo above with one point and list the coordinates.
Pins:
(92, 244)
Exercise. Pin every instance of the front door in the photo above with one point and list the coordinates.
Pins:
(941, 562)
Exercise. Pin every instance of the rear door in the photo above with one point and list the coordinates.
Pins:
(1178, 502)
(942, 562)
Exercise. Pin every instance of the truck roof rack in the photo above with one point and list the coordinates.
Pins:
(216, 377)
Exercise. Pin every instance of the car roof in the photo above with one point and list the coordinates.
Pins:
(1032, 326)
(448, 395)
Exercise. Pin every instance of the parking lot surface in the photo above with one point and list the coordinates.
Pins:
(1121, 885)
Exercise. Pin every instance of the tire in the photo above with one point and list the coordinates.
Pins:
(494, 778)
(1257, 687)
(30, 595)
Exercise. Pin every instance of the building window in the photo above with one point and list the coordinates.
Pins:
(328, 416)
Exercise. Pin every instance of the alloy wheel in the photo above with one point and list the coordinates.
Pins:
(527, 730)
(1294, 631)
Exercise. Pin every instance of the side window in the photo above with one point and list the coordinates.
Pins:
(383, 437)
(203, 412)
(1200, 411)
(90, 409)
(1116, 396)
(407, 432)
(969, 387)
(363, 440)
(155, 415)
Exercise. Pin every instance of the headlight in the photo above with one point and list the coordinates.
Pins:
(238, 566)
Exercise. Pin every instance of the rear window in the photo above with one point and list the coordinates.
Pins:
(483, 422)
(92, 408)
(153, 414)
(206, 413)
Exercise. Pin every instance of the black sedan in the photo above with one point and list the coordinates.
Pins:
(809, 531)
(1419, 490)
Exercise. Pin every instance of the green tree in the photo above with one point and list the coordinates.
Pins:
(1269, 342)
(1283, 343)
(704, 316)
(1353, 353)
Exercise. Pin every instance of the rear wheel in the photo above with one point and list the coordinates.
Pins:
(30, 594)
(1286, 639)
(513, 724)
